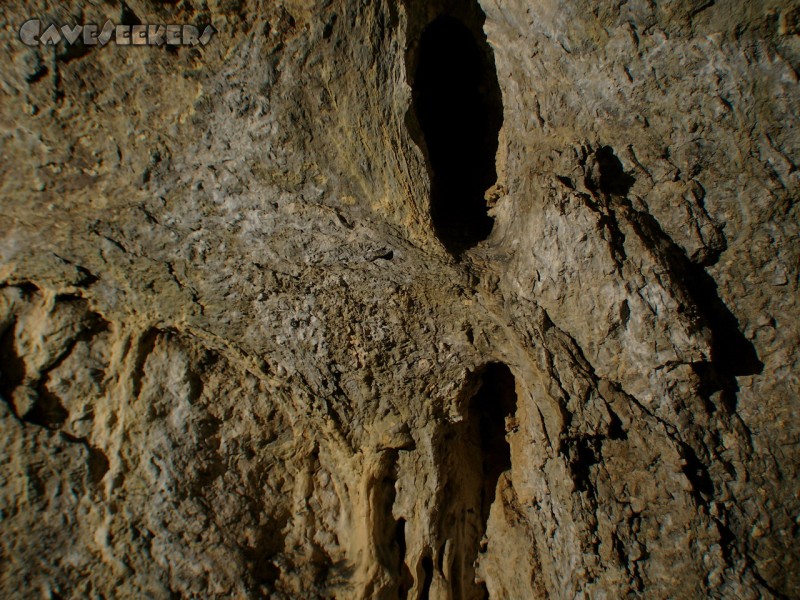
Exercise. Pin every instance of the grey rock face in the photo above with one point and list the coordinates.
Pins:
(247, 350)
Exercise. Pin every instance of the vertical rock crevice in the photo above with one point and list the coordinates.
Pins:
(405, 579)
(389, 531)
(12, 367)
(427, 570)
(478, 454)
(456, 119)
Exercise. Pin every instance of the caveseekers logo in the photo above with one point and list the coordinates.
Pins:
(35, 33)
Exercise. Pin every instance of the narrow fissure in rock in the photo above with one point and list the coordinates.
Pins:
(479, 454)
(459, 111)
(12, 366)
(390, 531)
(427, 569)
(405, 579)
(496, 400)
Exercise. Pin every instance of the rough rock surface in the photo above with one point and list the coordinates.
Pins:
(238, 359)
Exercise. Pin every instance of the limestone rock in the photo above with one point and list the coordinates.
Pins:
(302, 314)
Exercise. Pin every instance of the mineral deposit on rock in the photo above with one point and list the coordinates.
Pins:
(416, 299)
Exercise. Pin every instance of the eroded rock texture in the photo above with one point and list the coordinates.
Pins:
(260, 336)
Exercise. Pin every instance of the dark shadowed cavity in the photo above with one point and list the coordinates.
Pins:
(459, 110)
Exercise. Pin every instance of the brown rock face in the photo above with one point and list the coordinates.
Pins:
(419, 300)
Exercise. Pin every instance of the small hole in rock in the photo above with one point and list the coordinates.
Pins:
(612, 176)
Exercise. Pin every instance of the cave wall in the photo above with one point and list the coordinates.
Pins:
(238, 358)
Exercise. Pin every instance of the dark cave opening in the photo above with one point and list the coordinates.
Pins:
(478, 454)
(459, 110)
(390, 531)
(495, 401)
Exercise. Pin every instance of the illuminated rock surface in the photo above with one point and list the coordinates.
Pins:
(244, 354)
